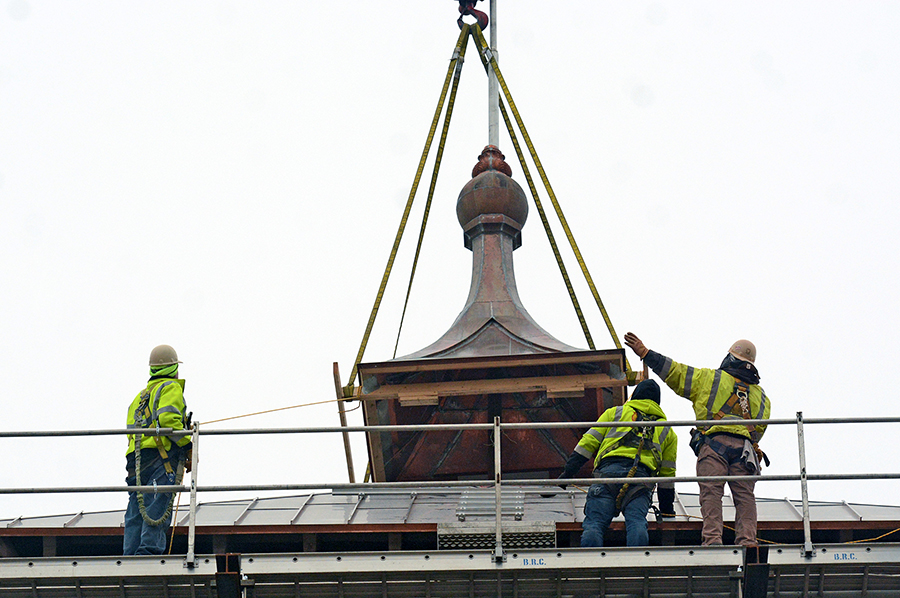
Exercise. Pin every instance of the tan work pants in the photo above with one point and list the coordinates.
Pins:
(710, 463)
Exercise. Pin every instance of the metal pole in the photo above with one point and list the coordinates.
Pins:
(191, 558)
(493, 85)
(499, 557)
(807, 533)
(338, 389)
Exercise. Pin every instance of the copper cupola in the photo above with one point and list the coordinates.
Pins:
(492, 210)
(494, 361)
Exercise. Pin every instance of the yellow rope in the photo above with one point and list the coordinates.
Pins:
(225, 419)
(174, 523)
(434, 175)
(873, 539)
(546, 223)
(512, 106)
(409, 202)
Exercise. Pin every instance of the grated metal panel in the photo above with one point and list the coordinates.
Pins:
(482, 536)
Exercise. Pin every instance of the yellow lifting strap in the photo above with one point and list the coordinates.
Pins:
(463, 34)
(459, 56)
(485, 51)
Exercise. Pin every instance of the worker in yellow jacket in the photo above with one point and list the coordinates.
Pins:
(727, 396)
(622, 453)
(161, 459)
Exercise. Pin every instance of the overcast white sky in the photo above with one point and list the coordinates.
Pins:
(227, 177)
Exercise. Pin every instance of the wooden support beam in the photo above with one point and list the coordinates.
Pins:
(560, 385)
(494, 361)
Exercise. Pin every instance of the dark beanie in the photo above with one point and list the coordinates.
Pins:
(648, 389)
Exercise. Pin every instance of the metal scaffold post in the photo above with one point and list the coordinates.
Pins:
(499, 556)
(804, 491)
(191, 558)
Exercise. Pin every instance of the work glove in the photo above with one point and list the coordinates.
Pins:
(636, 345)
(189, 460)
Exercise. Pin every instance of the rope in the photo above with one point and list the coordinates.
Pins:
(637, 459)
(225, 419)
(460, 59)
(409, 202)
(873, 539)
(179, 473)
(512, 105)
(547, 229)
(174, 523)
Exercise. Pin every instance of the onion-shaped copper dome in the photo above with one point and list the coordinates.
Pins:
(491, 191)
(492, 208)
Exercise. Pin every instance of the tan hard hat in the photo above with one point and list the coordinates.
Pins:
(163, 355)
(744, 350)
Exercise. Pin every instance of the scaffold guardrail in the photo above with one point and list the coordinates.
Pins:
(497, 427)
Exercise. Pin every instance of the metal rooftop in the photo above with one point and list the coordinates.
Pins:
(426, 509)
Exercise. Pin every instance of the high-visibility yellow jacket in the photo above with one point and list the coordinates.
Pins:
(709, 391)
(658, 454)
(166, 408)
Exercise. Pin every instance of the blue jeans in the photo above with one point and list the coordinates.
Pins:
(600, 508)
(141, 538)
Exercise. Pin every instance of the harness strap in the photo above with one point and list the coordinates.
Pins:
(144, 417)
(744, 401)
(740, 396)
(631, 472)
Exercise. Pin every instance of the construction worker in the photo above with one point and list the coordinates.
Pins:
(728, 395)
(623, 453)
(161, 459)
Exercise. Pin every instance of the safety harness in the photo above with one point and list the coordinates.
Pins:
(636, 437)
(740, 397)
(143, 418)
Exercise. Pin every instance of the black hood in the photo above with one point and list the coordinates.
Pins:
(743, 370)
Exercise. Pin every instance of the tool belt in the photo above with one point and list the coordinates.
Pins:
(730, 454)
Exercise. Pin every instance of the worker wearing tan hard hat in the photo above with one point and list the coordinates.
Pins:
(726, 395)
(163, 355)
(159, 460)
(743, 350)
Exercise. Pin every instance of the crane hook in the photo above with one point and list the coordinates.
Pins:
(467, 7)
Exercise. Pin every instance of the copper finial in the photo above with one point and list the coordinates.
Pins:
(491, 159)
